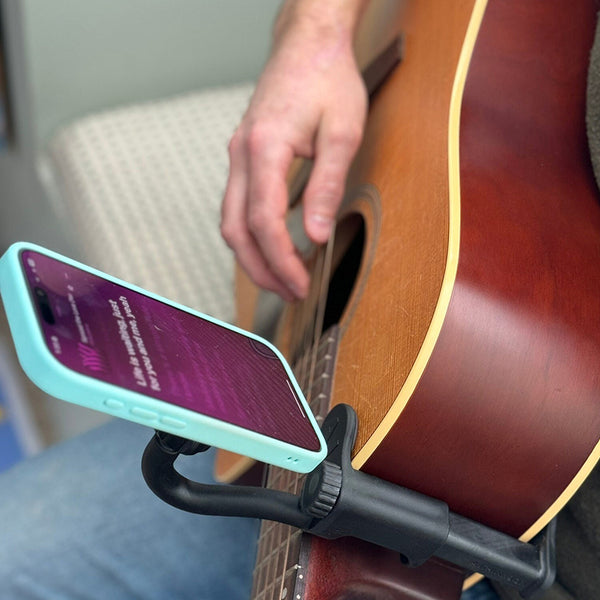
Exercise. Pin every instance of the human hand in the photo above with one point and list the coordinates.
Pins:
(310, 101)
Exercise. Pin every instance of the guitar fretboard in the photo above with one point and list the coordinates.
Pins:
(282, 550)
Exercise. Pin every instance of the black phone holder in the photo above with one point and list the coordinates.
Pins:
(338, 501)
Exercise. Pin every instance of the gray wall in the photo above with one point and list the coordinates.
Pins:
(69, 58)
(24, 210)
(85, 55)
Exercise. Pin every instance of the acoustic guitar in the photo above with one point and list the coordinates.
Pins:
(462, 315)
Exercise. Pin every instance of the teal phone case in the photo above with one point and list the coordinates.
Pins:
(58, 380)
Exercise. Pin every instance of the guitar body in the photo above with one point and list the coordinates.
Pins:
(504, 415)
(470, 342)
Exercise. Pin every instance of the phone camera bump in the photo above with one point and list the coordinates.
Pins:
(44, 305)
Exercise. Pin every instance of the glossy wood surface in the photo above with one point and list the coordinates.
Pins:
(349, 569)
(508, 408)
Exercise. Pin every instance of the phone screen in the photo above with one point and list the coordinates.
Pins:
(107, 331)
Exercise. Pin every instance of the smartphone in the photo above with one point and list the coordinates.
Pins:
(89, 338)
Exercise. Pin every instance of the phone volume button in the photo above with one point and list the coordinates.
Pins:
(143, 413)
(171, 422)
(114, 404)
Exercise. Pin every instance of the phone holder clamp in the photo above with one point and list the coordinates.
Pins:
(338, 501)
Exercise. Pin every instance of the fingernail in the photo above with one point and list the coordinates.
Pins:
(296, 291)
(321, 226)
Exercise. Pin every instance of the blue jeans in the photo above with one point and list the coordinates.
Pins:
(78, 522)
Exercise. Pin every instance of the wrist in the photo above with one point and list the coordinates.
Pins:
(318, 21)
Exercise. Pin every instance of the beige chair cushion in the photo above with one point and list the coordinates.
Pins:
(141, 188)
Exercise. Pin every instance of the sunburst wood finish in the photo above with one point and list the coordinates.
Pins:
(470, 345)
(506, 412)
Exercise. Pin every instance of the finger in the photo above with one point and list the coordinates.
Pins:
(234, 228)
(250, 258)
(336, 147)
(267, 209)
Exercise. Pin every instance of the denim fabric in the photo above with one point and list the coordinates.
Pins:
(79, 522)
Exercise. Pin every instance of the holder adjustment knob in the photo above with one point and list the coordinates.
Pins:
(321, 490)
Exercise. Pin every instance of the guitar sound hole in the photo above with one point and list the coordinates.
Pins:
(348, 253)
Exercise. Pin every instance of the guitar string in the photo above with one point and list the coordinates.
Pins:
(308, 325)
(276, 540)
(277, 546)
(299, 349)
(308, 312)
(308, 358)
(299, 313)
(300, 340)
(321, 279)
(323, 289)
(314, 305)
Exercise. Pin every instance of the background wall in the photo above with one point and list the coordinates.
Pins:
(85, 56)
(69, 58)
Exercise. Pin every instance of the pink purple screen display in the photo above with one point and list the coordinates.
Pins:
(123, 337)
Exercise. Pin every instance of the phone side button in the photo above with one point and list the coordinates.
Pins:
(171, 422)
(143, 413)
(114, 404)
